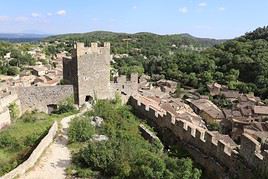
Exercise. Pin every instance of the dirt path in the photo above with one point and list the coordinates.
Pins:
(57, 157)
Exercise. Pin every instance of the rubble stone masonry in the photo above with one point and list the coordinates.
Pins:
(89, 72)
(38, 98)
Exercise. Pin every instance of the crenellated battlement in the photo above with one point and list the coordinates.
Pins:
(80, 48)
(220, 147)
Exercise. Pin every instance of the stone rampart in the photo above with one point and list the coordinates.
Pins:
(147, 134)
(4, 118)
(127, 87)
(5, 102)
(8, 99)
(36, 154)
(38, 98)
(206, 149)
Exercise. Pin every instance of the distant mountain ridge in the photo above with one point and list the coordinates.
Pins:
(107, 35)
(22, 37)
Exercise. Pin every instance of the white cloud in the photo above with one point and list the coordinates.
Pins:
(61, 13)
(4, 18)
(183, 10)
(202, 4)
(21, 19)
(34, 14)
(221, 8)
(95, 19)
(49, 14)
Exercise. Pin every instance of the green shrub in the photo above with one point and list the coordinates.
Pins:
(12, 70)
(64, 109)
(33, 116)
(80, 130)
(84, 173)
(14, 111)
(7, 167)
(148, 165)
(99, 156)
(66, 106)
(213, 126)
(31, 140)
(7, 141)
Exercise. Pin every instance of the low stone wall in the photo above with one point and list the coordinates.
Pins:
(38, 98)
(36, 154)
(8, 99)
(4, 118)
(147, 134)
(5, 101)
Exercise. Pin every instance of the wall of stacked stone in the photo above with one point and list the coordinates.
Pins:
(36, 154)
(147, 134)
(89, 71)
(69, 69)
(37, 98)
(8, 99)
(5, 101)
(5, 118)
(205, 148)
(126, 87)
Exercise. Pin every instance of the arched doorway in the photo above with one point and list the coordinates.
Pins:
(89, 99)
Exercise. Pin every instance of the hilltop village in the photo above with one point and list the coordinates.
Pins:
(225, 131)
(43, 68)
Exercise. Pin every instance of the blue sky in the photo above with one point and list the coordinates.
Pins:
(203, 18)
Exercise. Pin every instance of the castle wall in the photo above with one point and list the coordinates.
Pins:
(8, 99)
(126, 87)
(5, 102)
(37, 98)
(5, 118)
(147, 134)
(213, 154)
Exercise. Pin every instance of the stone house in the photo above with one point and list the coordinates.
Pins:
(214, 88)
(230, 95)
(39, 70)
(260, 111)
(207, 110)
(167, 85)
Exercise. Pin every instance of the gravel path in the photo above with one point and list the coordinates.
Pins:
(56, 158)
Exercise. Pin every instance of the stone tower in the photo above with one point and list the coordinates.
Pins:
(89, 72)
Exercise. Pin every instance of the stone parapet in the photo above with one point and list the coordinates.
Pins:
(5, 118)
